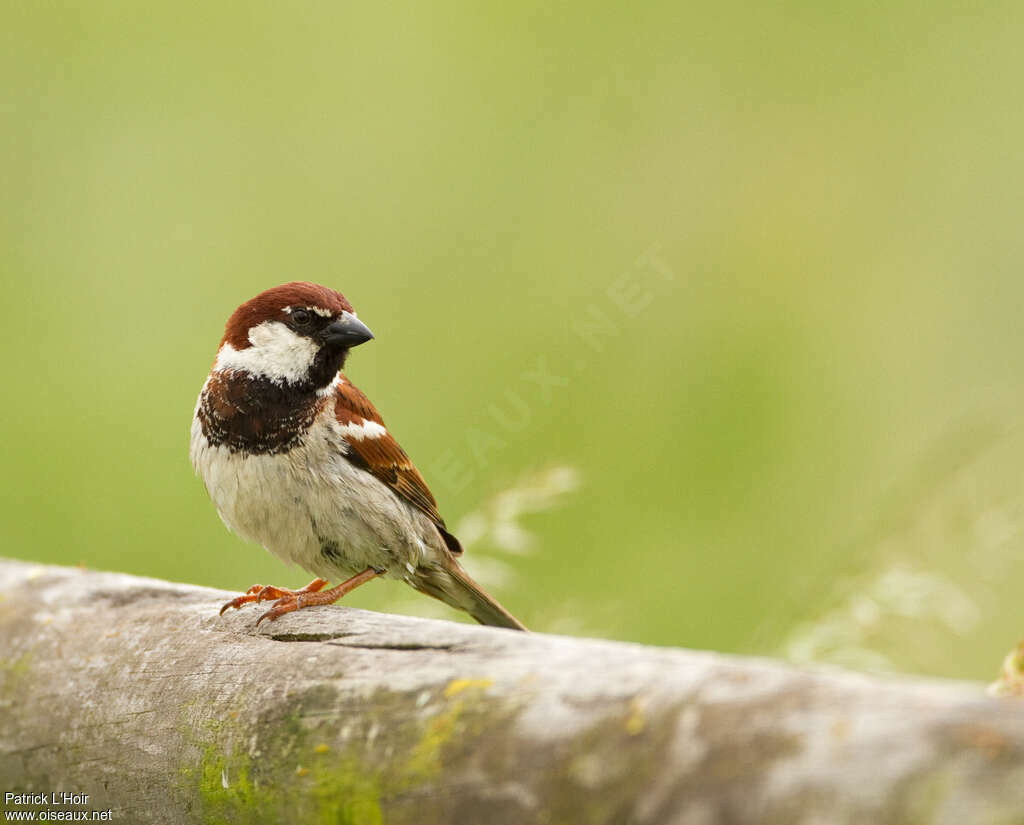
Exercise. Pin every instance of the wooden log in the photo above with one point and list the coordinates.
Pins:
(134, 692)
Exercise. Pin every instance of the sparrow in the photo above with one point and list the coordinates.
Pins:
(297, 459)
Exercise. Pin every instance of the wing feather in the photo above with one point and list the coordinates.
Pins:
(374, 449)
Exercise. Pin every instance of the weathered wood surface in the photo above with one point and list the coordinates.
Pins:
(135, 692)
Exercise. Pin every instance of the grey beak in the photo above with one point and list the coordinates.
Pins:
(346, 331)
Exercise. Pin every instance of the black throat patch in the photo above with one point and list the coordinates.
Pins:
(252, 414)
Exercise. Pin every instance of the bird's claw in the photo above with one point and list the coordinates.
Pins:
(290, 600)
(250, 595)
(265, 592)
(285, 604)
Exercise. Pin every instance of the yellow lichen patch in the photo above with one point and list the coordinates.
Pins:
(637, 719)
(323, 747)
(301, 771)
(457, 686)
(1011, 679)
(425, 760)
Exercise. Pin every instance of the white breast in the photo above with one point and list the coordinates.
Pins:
(292, 502)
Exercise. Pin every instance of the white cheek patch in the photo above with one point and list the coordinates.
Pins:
(367, 429)
(276, 353)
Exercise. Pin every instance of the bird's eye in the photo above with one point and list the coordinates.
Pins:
(301, 317)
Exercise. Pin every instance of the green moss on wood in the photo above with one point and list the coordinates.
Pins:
(294, 764)
(14, 675)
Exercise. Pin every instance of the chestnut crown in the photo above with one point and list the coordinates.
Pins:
(277, 304)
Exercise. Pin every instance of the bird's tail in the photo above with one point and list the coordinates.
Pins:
(451, 584)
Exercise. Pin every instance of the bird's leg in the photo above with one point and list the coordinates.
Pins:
(263, 592)
(294, 601)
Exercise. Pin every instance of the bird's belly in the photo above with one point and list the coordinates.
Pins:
(312, 507)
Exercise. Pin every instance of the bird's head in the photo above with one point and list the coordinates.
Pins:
(296, 334)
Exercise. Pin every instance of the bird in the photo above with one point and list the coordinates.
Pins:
(297, 459)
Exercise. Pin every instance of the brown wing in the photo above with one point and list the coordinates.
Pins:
(374, 449)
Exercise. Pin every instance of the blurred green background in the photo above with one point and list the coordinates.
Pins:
(765, 259)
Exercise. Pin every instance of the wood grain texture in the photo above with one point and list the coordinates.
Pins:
(135, 692)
